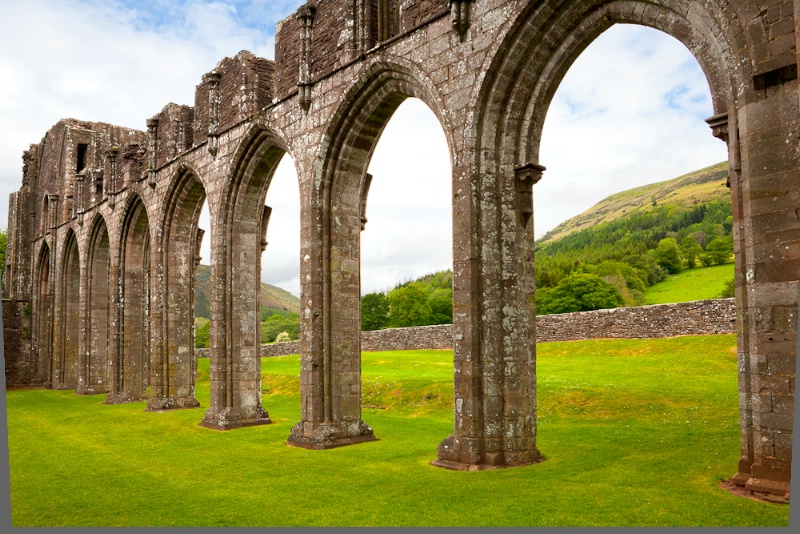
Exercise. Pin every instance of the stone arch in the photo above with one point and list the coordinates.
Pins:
(331, 404)
(94, 368)
(68, 332)
(513, 104)
(42, 313)
(495, 412)
(129, 375)
(239, 242)
(45, 221)
(173, 361)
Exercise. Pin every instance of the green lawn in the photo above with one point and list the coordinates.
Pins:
(692, 284)
(634, 432)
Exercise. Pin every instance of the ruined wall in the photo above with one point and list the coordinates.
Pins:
(16, 341)
(415, 12)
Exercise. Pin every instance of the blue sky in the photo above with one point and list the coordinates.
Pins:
(628, 113)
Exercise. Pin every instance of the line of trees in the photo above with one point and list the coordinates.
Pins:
(427, 301)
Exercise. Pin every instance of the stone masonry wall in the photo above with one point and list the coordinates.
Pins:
(16, 340)
(699, 317)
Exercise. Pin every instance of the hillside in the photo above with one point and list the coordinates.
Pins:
(271, 296)
(697, 187)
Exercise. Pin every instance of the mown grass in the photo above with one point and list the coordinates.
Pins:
(633, 432)
(692, 284)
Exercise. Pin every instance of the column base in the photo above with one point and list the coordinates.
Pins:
(320, 436)
(61, 386)
(123, 398)
(772, 487)
(232, 418)
(166, 404)
(466, 455)
(91, 390)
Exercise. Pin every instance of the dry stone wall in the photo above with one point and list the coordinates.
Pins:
(699, 317)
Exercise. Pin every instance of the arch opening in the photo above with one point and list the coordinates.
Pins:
(236, 332)
(66, 371)
(174, 362)
(41, 371)
(130, 374)
(95, 369)
(331, 411)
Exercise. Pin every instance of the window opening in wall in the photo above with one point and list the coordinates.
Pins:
(81, 159)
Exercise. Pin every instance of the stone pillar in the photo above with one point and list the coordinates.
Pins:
(766, 200)
(330, 375)
(115, 393)
(235, 304)
(494, 327)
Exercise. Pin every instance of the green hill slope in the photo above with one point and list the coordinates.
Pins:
(271, 296)
(691, 189)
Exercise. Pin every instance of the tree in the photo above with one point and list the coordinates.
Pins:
(202, 332)
(729, 289)
(408, 306)
(441, 303)
(276, 324)
(718, 251)
(690, 251)
(374, 311)
(579, 292)
(668, 255)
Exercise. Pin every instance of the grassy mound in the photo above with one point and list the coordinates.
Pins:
(692, 284)
(633, 433)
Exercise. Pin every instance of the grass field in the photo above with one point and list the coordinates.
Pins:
(692, 284)
(634, 432)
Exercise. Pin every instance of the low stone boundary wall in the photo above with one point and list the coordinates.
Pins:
(699, 317)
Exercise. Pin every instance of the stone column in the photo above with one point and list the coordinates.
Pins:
(494, 326)
(768, 196)
(330, 375)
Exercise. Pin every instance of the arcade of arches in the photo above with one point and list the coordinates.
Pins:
(104, 238)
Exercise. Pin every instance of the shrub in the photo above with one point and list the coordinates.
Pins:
(283, 337)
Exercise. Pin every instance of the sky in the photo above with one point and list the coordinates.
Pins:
(629, 112)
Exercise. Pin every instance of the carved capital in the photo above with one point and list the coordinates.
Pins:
(197, 245)
(212, 78)
(364, 193)
(265, 216)
(152, 125)
(719, 126)
(526, 176)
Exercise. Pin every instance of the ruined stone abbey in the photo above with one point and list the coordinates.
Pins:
(103, 232)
